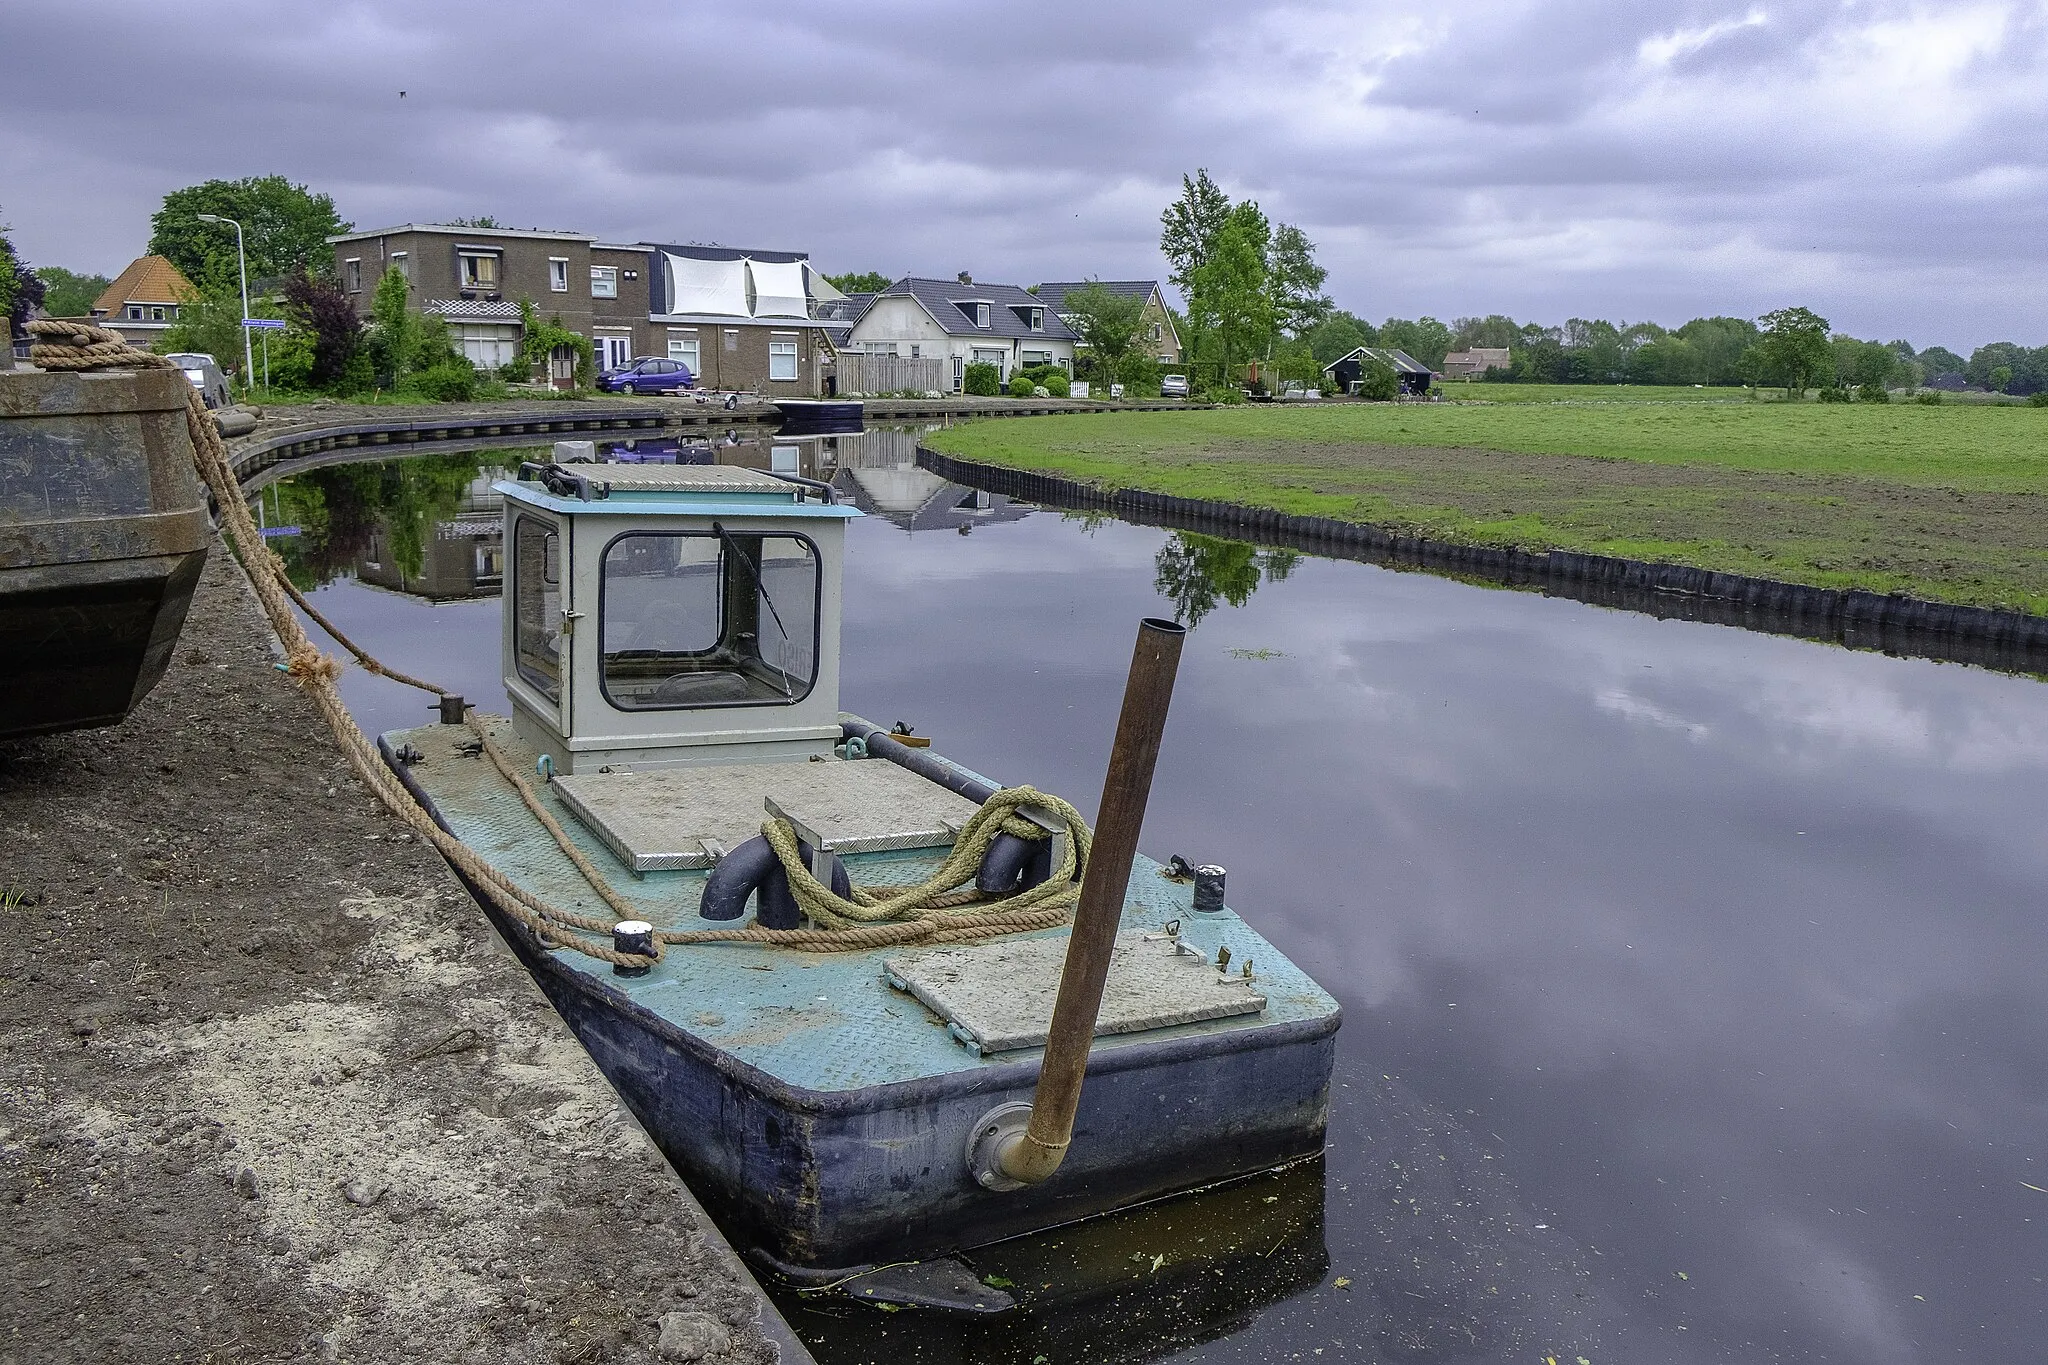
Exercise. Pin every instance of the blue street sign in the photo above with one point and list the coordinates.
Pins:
(263, 324)
(270, 531)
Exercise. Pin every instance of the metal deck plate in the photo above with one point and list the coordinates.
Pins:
(660, 820)
(998, 996)
(684, 478)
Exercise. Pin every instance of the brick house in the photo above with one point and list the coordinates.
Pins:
(1161, 339)
(964, 323)
(1470, 364)
(739, 319)
(143, 301)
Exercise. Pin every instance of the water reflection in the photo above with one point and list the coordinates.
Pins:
(428, 526)
(1196, 572)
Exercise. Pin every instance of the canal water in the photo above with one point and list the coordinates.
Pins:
(1693, 979)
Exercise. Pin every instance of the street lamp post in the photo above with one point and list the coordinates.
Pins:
(242, 259)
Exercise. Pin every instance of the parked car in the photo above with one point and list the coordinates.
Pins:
(1173, 386)
(204, 372)
(648, 376)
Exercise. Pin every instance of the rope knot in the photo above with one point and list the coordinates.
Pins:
(311, 667)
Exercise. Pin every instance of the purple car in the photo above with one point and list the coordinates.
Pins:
(648, 376)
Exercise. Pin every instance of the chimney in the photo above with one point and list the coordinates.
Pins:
(966, 278)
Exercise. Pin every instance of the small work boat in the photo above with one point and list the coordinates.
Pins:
(854, 1065)
(103, 531)
(820, 414)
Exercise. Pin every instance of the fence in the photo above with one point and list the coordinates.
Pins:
(863, 373)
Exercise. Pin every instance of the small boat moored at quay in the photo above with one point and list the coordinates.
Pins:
(876, 1007)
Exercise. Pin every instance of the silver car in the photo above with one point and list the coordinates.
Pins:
(204, 372)
(1173, 386)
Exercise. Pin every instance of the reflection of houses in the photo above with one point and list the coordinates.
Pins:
(1414, 376)
(739, 318)
(962, 323)
(462, 557)
(1161, 340)
(879, 470)
(1470, 364)
(143, 301)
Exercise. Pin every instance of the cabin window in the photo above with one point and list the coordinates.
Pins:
(604, 281)
(558, 274)
(537, 606)
(695, 619)
(782, 360)
(479, 270)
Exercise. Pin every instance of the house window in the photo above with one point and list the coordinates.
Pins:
(916, 351)
(981, 315)
(558, 274)
(134, 312)
(479, 270)
(1035, 317)
(683, 350)
(1038, 357)
(732, 339)
(402, 263)
(352, 275)
(782, 360)
(604, 281)
(156, 315)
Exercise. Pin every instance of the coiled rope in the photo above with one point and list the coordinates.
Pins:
(934, 911)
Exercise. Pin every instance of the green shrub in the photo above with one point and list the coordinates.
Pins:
(1835, 394)
(1021, 386)
(2038, 400)
(515, 372)
(1932, 398)
(1057, 384)
(1873, 393)
(1223, 394)
(1377, 380)
(449, 382)
(980, 380)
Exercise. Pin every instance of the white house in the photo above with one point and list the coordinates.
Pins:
(964, 322)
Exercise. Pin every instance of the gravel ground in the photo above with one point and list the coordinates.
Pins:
(271, 1089)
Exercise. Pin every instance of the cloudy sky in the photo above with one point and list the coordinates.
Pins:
(1881, 162)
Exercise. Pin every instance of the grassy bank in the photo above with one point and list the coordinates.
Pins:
(1948, 502)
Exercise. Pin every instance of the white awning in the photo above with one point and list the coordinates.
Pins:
(778, 289)
(699, 286)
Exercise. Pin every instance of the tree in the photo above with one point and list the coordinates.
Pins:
(1719, 343)
(209, 322)
(285, 229)
(1937, 361)
(1109, 324)
(485, 221)
(397, 327)
(1495, 331)
(1793, 350)
(1338, 336)
(1426, 339)
(1377, 380)
(1297, 281)
(1188, 228)
(860, 282)
(319, 306)
(2001, 376)
(1231, 294)
(21, 290)
(68, 295)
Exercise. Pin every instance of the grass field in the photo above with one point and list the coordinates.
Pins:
(1477, 391)
(1945, 502)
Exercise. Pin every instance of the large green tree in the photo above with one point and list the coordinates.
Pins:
(21, 289)
(69, 295)
(1339, 335)
(1793, 350)
(1109, 324)
(1231, 296)
(1297, 281)
(1188, 228)
(285, 227)
(1424, 339)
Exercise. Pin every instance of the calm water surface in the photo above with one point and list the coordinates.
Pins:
(1694, 979)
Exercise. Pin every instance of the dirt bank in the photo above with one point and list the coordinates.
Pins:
(272, 1090)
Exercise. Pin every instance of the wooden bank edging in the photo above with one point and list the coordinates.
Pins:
(1856, 618)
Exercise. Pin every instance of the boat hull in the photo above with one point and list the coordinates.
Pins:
(103, 531)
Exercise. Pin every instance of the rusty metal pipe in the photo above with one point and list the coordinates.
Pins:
(1031, 1155)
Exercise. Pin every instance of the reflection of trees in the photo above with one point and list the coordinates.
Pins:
(342, 507)
(1197, 572)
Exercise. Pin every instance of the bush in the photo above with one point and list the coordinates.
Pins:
(1223, 394)
(1021, 386)
(1873, 393)
(515, 372)
(449, 382)
(1057, 385)
(980, 380)
(1835, 394)
(1377, 381)
(1930, 399)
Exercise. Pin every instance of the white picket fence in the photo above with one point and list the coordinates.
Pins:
(863, 373)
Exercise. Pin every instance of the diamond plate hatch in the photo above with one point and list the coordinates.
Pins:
(673, 817)
(998, 996)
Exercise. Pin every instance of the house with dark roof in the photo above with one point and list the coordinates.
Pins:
(1415, 377)
(144, 300)
(1161, 337)
(963, 323)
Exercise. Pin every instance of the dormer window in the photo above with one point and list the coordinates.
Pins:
(1032, 318)
(977, 310)
(981, 315)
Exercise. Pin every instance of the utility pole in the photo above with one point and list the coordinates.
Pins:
(242, 259)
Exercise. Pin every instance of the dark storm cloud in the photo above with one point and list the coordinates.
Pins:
(1879, 161)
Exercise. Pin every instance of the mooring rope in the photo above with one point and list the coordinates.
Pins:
(930, 912)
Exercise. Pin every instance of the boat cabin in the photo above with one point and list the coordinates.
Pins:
(671, 615)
